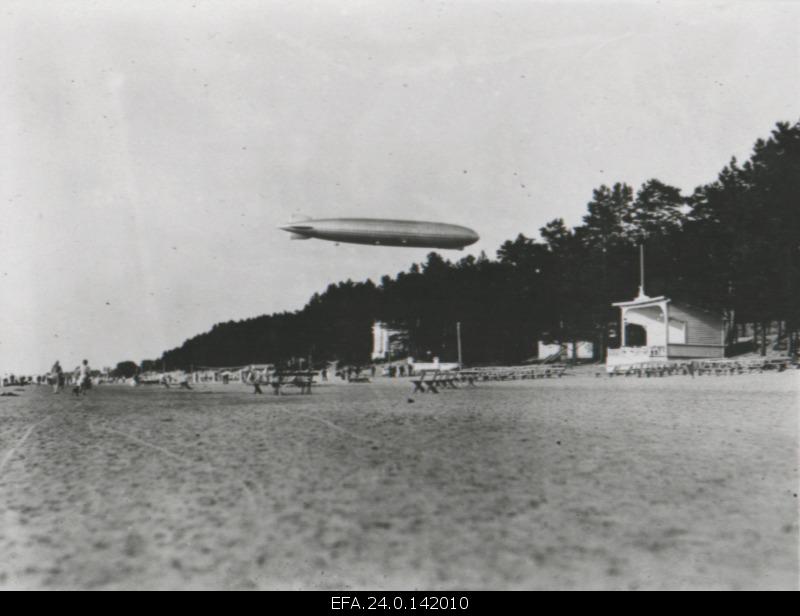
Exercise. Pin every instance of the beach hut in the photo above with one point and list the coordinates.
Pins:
(658, 329)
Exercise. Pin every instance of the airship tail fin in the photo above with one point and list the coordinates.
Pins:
(297, 236)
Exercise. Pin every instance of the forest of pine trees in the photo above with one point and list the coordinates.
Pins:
(732, 246)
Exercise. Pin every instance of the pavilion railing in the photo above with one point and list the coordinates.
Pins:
(638, 352)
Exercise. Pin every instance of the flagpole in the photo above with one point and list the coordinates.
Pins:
(641, 269)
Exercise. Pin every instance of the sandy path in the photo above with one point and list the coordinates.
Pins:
(571, 483)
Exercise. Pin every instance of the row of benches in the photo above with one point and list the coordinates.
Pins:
(742, 366)
(512, 373)
(425, 381)
(716, 367)
(433, 380)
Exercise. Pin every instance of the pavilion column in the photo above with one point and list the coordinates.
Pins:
(622, 332)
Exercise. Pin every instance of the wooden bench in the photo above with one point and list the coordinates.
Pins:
(780, 364)
(467, 376)
(423, 385)
(446, 379)
(554, 370)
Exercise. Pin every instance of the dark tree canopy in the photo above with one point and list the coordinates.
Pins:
(125, 369)
(733, 245)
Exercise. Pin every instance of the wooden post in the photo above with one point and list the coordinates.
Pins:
(458, 336)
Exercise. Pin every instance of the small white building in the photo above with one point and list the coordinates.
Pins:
(205, 375)
(434, 364)
(382, 340)
(580, 349)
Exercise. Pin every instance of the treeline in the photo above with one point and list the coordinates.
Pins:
(732, 246)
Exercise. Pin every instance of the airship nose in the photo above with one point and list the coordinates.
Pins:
(298, 232)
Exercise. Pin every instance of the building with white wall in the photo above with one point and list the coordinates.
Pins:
(655, 329)
(384, 341)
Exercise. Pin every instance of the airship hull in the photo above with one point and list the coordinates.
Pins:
(379, 232)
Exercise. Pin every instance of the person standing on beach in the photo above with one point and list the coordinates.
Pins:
(255, 381)
(83, 378)
(57, 375)
(255, 378)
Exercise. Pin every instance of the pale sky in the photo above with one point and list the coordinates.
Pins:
(150, 149)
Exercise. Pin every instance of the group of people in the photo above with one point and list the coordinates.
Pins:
(82, 378)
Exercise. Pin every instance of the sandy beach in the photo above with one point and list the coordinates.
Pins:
(572, 483)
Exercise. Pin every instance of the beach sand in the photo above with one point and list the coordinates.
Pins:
(572, 483)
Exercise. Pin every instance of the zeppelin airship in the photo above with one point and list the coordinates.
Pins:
(382, 232)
